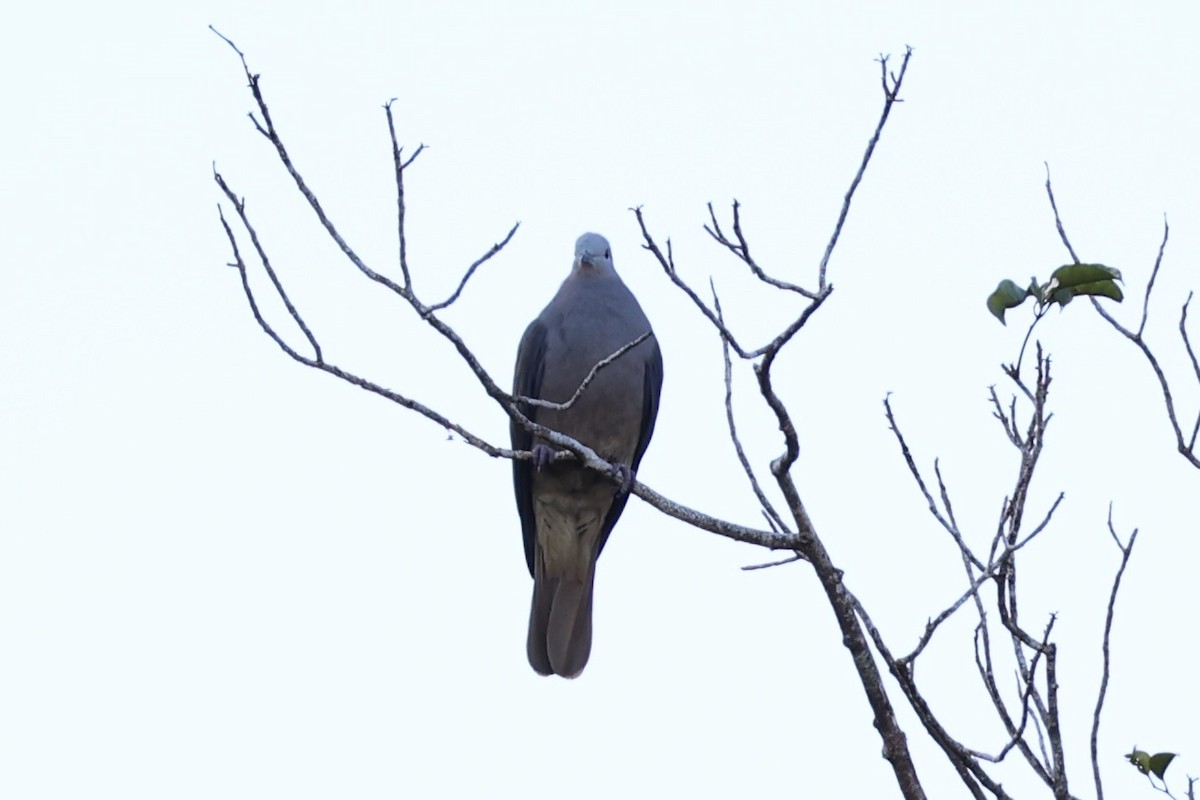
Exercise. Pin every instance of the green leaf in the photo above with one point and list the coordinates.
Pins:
(1147, 763)
(1140, 759)
(1159, 763)
(1070, 276)
(1007, 295)
(1107, 289)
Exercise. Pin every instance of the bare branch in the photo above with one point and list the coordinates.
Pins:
(696, 519)
(768, 509)
(240, 206)
(1062, 233)
(587, 380)
(1008, 419)
(895, 747)
(846, 612)
(267, 129)
(1008, 530)
(317, 362)
(788, 560)
(987, 574)
(803, 543)
(589, 458)
(493, 250)
(1000, 568)
(945, 522)
(1016, 738)
(667, 262)
(1153, 274)
(969, 770)
(782, 465)
(489, 385)
(1185, 448)
(891, 91)
(741, 249)
(891, 88)
(1126, 551)
(984, 665)
(399, 165)
(1187, 343)
(1015, 369)
(1052, 717)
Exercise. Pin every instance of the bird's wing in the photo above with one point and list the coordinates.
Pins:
(651, 389)
(528, 382)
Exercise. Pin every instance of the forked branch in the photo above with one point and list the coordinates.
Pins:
(774, 539)
(1185, 446)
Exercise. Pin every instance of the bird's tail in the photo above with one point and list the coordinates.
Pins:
(560, 619)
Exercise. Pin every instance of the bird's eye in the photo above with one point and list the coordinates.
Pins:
(608, 253)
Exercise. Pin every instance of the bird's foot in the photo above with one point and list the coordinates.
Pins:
(627, 476)
(543, 456)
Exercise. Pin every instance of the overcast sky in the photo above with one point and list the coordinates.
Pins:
(225, 575)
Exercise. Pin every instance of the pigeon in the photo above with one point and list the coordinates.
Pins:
(568, 511)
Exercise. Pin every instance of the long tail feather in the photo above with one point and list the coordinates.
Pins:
(560, 623)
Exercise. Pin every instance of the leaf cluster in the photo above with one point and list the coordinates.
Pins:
(1066, 283)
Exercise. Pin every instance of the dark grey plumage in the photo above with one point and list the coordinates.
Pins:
(567, 512)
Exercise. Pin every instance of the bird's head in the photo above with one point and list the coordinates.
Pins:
(592, 253)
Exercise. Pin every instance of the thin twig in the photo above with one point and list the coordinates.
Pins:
(1185, 448)
(891, 91)
(1007, 584)
(788, 560)
(240, 206)
(1181, 445)
(741, 249)
(946, 523)
(1054, 723)
(968, 768)
(1187, 342)
(1062, 233)
(765, 503)
(586, 456)
(989, 572)
(317, 362)
(267, 129)
(399, 165)
(1038, 316)
(1162, 246)
(1126, 551)
(1017, 735)
(1007, 532)
(493, 250)
(984, 665)
(803, 542)
(587, 380)
(667, 262)
(891, 88)
(1007, 419)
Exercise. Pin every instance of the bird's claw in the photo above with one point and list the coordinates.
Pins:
(627, 476)
(543, 456)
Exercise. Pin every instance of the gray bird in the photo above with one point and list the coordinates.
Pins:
(567, 511)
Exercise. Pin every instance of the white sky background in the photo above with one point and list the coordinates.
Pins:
(224, 575)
